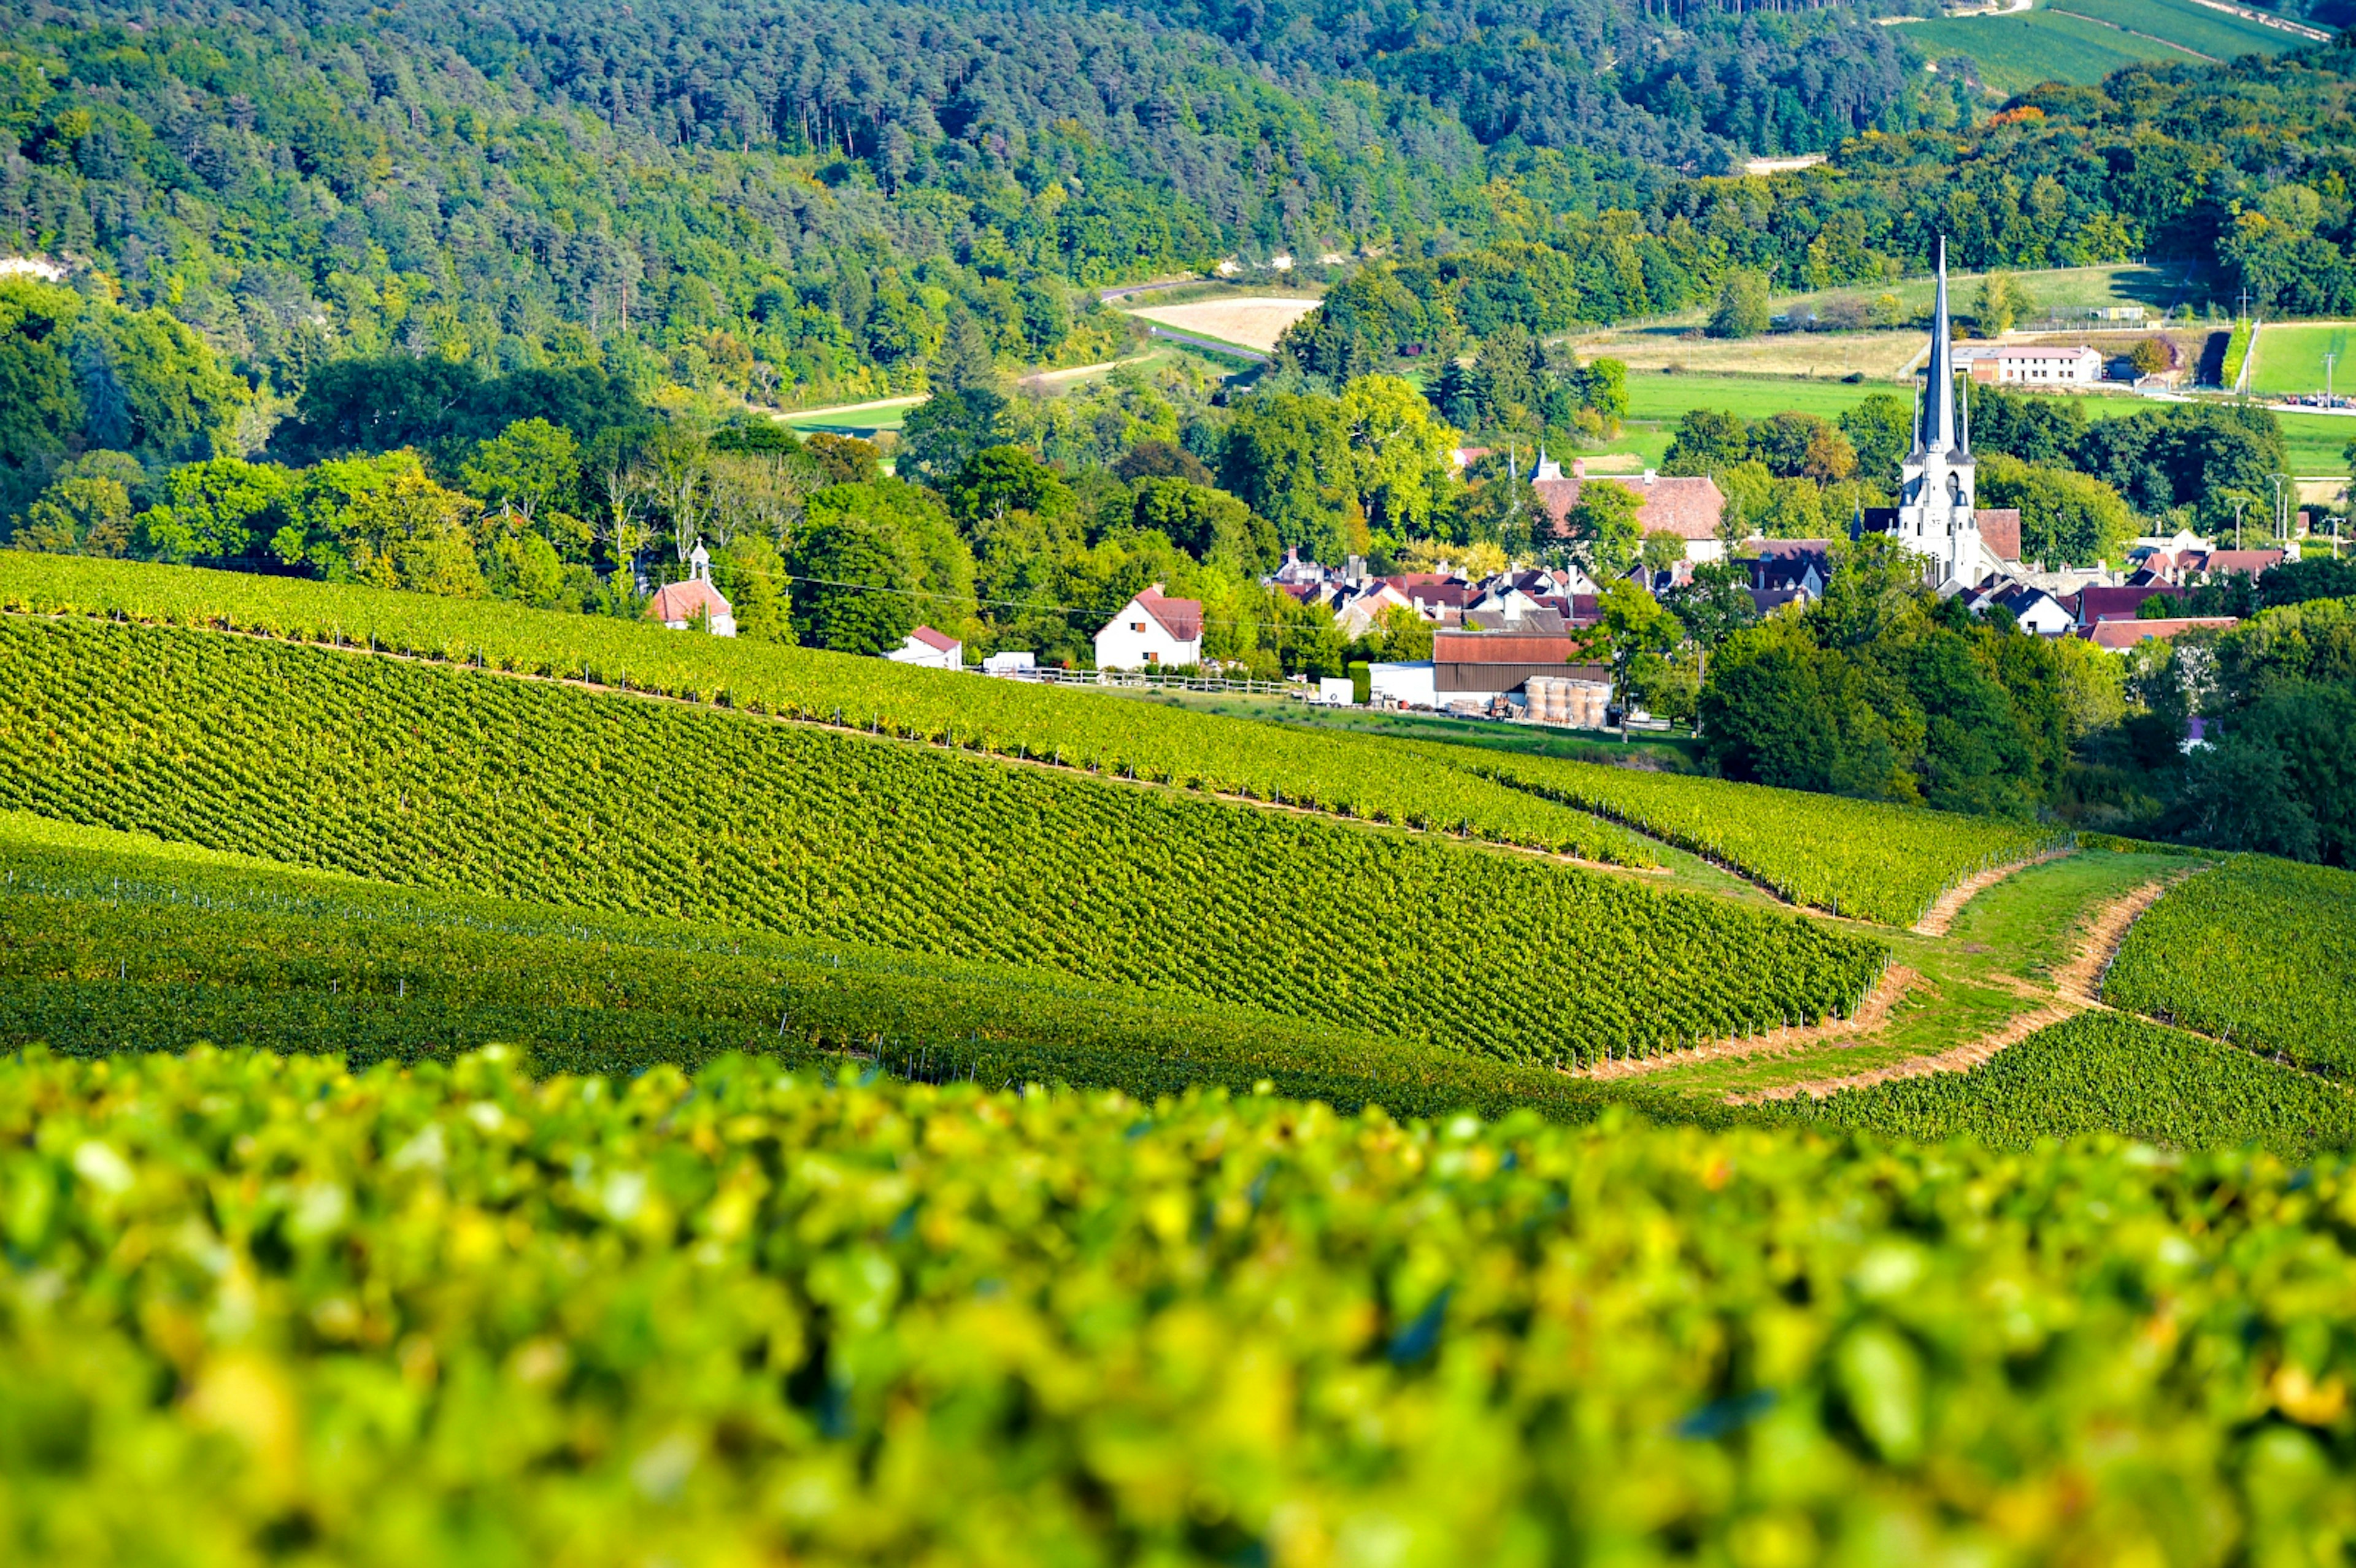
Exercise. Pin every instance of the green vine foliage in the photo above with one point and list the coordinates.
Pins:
(2256, 951)
(122, 942)
(454, 1313)
(2101, 1072)
(1873, 860)
(457, 780)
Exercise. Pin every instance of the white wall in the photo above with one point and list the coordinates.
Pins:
(1121, 646)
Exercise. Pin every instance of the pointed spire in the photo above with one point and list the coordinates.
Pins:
(1939, 414)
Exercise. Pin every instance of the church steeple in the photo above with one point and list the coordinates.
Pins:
(1940, 431)
(1935, 519)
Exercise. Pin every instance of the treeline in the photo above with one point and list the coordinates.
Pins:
(798, 196)
(1010, 521)
(2242, 170)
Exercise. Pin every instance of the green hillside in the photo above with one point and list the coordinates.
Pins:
(1895, 861)
(2257, 952)
(451, 779)
(121, 942)
(2085, 40)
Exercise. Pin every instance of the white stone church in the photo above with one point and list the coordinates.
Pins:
(1961, 545)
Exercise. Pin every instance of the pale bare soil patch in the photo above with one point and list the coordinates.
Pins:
(1253, 322)
(1879, 356)
(2077, 989)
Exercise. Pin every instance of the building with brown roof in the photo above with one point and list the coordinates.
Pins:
(1687, 506)
(2117, 636)
(2091, 605)
(1152, 630)
(931, 649)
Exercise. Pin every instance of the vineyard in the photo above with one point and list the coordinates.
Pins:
(450, 779)
(2257, 952)
(457, 1313)
(2101, 1072)
(120, 942)
(1079, 729)
(1854, 858)
(1871, 861)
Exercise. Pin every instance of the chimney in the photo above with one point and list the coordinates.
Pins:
(1578, 468)
(1650, 475)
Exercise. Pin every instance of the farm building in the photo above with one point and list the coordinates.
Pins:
(929, 649)
(2031, 364)
(1151, 630)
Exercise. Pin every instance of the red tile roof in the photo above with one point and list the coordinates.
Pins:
(2118, 634)
(1999, 530)
(940, 641)
(1182, 618)
(2253, 563)
(1687, 508)
(685, 601)
(1499, 647)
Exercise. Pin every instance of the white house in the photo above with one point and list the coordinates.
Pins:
(2034, 365)
(2037, 611)
(1152, 630)
(934, 650)
(683, 606)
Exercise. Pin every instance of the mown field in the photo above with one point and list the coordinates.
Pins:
(2289, 359)
(1439, 786)
(463, 780)
(262, 1307)
(2257, 950)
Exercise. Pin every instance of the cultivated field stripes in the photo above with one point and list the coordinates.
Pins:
(439, 778)
(2257, 952)
(1354, 776)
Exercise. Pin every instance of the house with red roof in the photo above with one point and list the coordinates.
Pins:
(2119, 635)
(694, 604)
(930, 649)
(1152, 630)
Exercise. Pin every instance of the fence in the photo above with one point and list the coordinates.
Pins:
(1146, 680)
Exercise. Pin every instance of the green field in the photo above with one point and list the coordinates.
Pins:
(2314, 441)
(1437, 788)
(2085, 40)
(2290, 358)
(2157, 287)
(2219, 34)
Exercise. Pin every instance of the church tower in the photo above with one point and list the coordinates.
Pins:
(1935, 486)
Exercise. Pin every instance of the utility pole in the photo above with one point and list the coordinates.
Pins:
(2238, 504)
(2329, 356)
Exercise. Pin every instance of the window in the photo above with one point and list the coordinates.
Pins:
(1137, 625)
(1150, 656)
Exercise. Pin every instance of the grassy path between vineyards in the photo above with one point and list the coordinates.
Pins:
(2025, 952)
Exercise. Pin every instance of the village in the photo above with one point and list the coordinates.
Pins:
(1529, 643)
